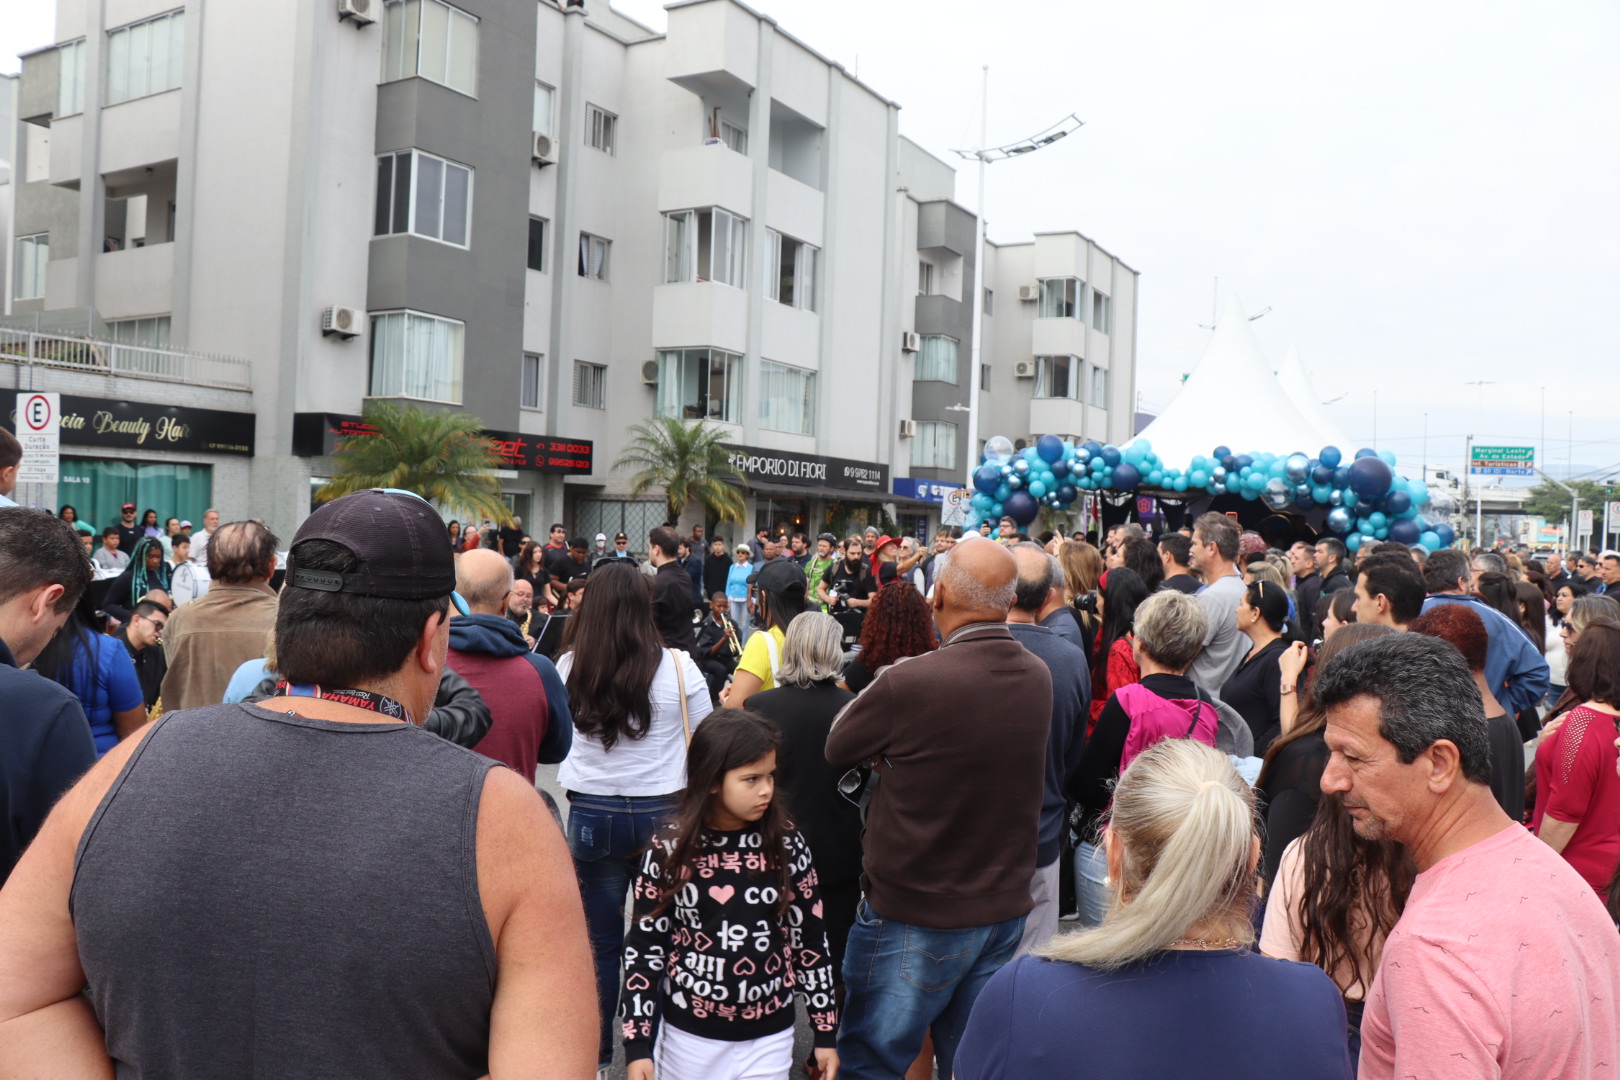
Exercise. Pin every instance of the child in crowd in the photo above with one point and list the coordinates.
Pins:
(727, 924)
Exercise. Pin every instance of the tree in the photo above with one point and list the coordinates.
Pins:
(688, 462)
(443, 457)
(1548, 500)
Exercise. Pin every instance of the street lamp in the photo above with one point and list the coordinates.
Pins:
(984, 156)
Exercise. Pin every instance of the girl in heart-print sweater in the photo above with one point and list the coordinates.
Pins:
(727, 924)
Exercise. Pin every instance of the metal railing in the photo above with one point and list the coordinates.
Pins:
(105, 357)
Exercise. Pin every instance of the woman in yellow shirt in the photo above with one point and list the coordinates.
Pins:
(780, 592)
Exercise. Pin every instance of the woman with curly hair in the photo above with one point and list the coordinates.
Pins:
(897, 625)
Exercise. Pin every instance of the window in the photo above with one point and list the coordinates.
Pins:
(989, 302)
(734, 137)
(1099, 387)
(537, 243)
(1057, 376)
(425, 195)
(593, 256)
(144, 58)
(1102, 311)
(790, 271)
(530, 392)
(1060, 298)
(984, 376)
(700, 384)
(601, 129)
(936, 359)
(33, 252)
(787, 398)
(431, 39)
(925, 279)
(70, 79)
(152, 333)
(416, 356)
(543, 95)
(705, 245)
(935, 445)
(590, 385)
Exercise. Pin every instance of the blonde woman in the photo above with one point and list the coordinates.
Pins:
(1169, 984)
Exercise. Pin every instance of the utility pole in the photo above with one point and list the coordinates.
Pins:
(1574, 510)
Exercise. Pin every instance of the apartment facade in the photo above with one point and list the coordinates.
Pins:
(547, 216)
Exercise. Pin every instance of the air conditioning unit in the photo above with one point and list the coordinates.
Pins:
(1024, 369)
(908, 429)
(1029, 292)
(361, 11)
(342, 321)
(910, 341)
(545, 150)
(649, 373)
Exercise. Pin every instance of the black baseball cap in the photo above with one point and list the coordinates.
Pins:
(398, 538)
(781, 576)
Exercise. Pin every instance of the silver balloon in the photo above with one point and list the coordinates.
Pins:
(1339, 519)
(1218, 474)
(1297, 467)
(1277, 493)
(1336, 497)
(1217, 488)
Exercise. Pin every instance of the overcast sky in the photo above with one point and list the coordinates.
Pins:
(1423, 194)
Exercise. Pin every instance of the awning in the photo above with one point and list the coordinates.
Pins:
(799, 491)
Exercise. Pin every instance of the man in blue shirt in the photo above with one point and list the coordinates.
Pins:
(1515, 671)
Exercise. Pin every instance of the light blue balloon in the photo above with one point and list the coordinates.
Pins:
(1377, 519)
(1353, 541)
(1145, 446)
(1180, 483)
(1364, 526)
(1430, 540)
(1388, 457)
(1381, 534)
(1249, 494)
(1155, 478)
(1002, 492)
(1420, 495)
(1197, 478)
(1351, 498)
(1277, 469)
(1037, 488)
(1320, 494)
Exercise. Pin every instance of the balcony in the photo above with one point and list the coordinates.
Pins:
(1058, 415)
(797, 210)
(700, 313)
(713, 46)
(108, 358)
(135, 281)
(1059, 337)
(146, 131)
(706, 175)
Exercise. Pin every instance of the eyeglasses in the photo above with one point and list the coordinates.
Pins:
(157, 624)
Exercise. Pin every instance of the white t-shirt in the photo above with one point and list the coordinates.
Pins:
(654, 764)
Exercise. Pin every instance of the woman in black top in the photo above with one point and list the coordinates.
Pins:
(1254, 688)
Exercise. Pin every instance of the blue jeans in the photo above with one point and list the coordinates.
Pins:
(1090, 871)
(607, 834)
(904, 980)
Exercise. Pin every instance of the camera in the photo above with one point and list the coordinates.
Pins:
(1087, 602)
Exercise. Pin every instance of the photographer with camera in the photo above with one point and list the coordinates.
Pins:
(846, 588)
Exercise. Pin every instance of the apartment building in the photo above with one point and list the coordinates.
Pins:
(240, 229)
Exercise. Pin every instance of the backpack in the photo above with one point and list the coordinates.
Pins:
(1154, 718)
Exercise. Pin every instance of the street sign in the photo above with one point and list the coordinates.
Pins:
(1584, 525)
(955, 512)
(1611, 518)
(1502, 461)
(39, 430)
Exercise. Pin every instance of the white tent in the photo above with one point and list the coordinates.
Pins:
(1232, 398)
(1297, 384)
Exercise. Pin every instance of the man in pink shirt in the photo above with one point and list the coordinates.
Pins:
(1504, 963)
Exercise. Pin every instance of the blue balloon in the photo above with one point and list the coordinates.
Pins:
(1387, 457)
(1321, 493)
(1049, 448)
(1405, 531)
(1092, 447)
(1111, 455)
(1037, 488)
(1060, 468)
(1230, 463)
(987, 478)
(1370, 477)
(1222, 452)
(1430, 540)
(1335, 497)
(1365, 452)
(1197, 478)
(1339, 520)
(1348, 499)
(1378, 520)
(1353, 541)
(1330, 456)
(1021, 507)
(1446, 533)
(1244, 459)
(1180, 484)
(1126, 477)
(1003, 491)
(1322, 474)
(1147, 447)
(1397, 502)
(1066, 493)
(1341, 476)
(1020, 467)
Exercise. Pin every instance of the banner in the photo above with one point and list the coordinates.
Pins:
(109, 424)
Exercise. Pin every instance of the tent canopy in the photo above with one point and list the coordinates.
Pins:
(1296, 383)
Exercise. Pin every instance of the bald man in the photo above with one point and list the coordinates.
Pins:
(531, 722)
(959, 737)
(520, 607)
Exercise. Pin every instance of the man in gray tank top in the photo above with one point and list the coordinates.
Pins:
(312, 886)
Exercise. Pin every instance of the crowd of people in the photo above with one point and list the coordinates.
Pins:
(994, 806)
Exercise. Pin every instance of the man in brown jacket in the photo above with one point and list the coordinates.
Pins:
(959, 739)
(210, 637)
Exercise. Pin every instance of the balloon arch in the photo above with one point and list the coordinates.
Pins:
(1362, 499)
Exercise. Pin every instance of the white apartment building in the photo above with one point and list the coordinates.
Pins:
(544, 215)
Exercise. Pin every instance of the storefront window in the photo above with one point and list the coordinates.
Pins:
(782, 516)
(97, 488)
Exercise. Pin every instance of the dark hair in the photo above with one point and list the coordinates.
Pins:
(1499, 591)
(148, 608)
(241, 552)
(68, 658)
(1178, 547)
(1533, 612)
(1395, 577)
(579, 543)
(111, 530)
(1577, 589)
(1122, 592)
(340, 638)
(63, 513)
(38, 549)
(1345, 881)
(1334, 547)
(1140, 555)
(10, 449)
(664, 539)
(140, 582)
(616, 652)
(777, 609)
(1459, 624)
(898, 624)
(727, 739)
(528, 549)
(555, 525)
(1340, 603)
(1594, 669)
(1444, 570)
(1425, 694)
(1220, 530)
(1272, 603)
(149, 512)
(1312, 717)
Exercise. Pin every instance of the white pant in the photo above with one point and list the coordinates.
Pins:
(1042, 922)
(680, 1055)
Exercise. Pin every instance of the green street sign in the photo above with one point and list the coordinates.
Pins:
(1502, 461)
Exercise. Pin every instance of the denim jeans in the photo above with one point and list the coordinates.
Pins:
(607, 834)
(904, 980)
(1090, 871)
(740, 616)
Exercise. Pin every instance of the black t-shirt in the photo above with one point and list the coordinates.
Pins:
(1184, 583)
(511, 541)
(1255, 691)
(1289, 792)
(850, 584)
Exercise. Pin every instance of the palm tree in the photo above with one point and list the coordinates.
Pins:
(443, 457)
(688, 462)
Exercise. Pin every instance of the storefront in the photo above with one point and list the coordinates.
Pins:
(168, 458)
(792, 492)
(933, 502)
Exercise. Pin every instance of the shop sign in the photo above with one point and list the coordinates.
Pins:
(811, 470)
(108, 424)
(317, 435)
(933, 491)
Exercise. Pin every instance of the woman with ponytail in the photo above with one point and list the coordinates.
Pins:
(1255, 689)
(1170, 976)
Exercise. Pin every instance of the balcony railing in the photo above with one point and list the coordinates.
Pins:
(104, 357)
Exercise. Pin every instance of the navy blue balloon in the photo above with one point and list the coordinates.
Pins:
(1366, 451)
(1067, 493)
(1244, 459)
(1111, 455)
(1404, 531)
(1341, 476)
(1331, 456)
(1092, 447)
(1396, 503)
(1230, 463)
(1322, 474)
(1060, 468)
(1126, 477)
(1370, 477)
(987, 478)
(1446, 533)
(1021, 507)
(1050, 448)
(1221, 452)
